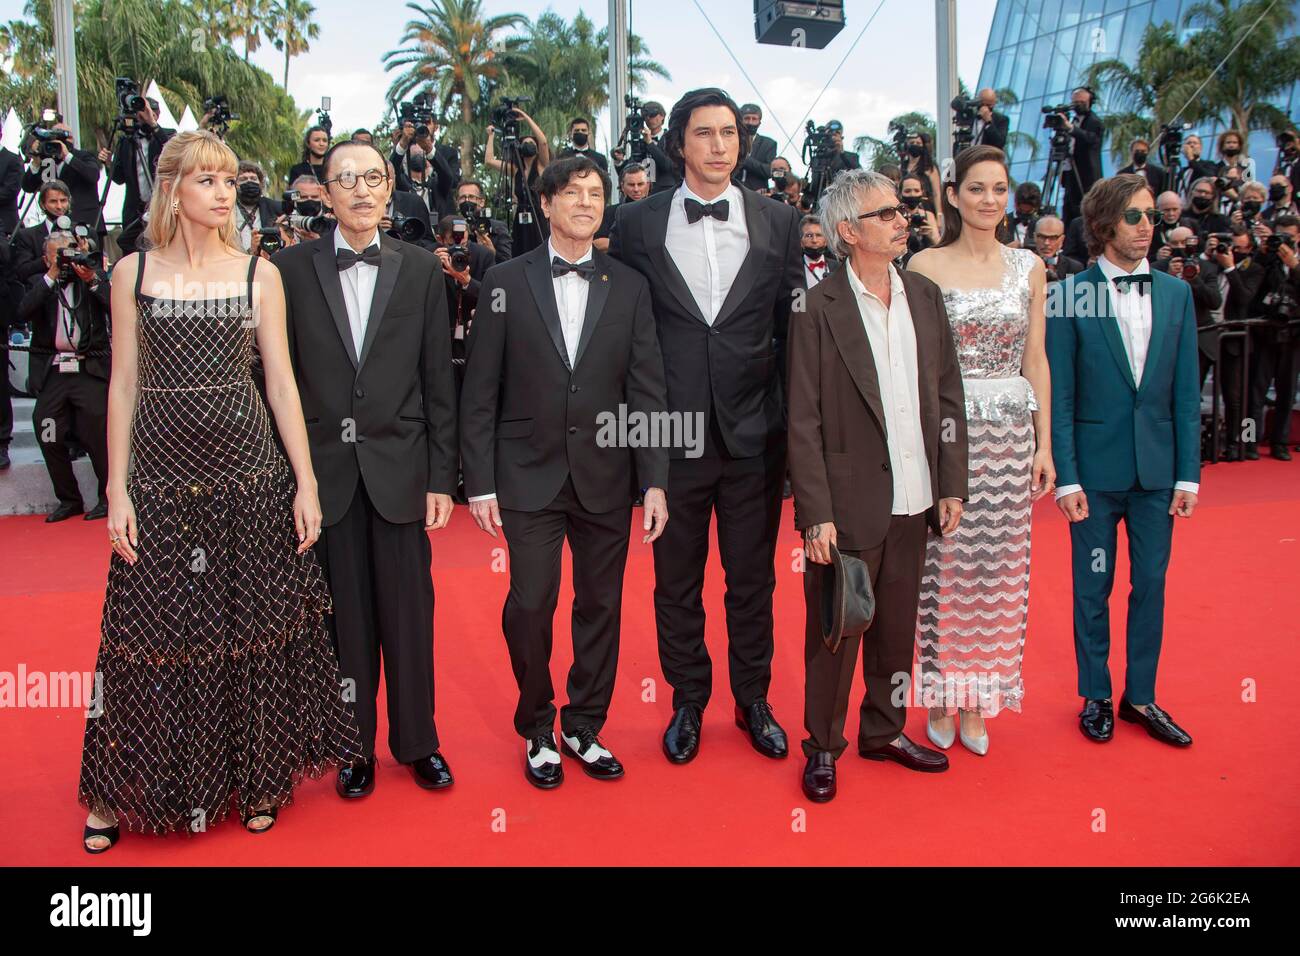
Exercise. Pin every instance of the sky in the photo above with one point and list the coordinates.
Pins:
(890, 71)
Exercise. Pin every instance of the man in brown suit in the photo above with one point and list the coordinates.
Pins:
(877, 451)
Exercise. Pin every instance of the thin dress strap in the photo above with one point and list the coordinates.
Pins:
(139, 274)
(252, 267)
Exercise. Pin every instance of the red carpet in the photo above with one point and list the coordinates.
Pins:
(1232, 798)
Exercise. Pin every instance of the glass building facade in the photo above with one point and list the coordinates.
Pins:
(1041, 51)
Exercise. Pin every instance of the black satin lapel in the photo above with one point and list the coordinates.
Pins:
(328, 274)
(390, 263)
(596, 298)
(538, 271)
(845, 323)
(654, 227)
(759, 227)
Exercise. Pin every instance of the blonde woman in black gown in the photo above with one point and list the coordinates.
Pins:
(220, 689)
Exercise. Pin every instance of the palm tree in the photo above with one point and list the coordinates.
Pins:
(289, 27)
(248, 19)
(456, 55)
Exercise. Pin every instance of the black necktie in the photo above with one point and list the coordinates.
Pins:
(560, 267)
(346, 258)
(1140, 282)
(695, 211)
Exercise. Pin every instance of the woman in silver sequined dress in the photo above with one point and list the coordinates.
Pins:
(218, 688)
(975, 590)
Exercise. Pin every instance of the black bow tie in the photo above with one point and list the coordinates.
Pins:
(346, 258)
(695, 211)
(560, 267)
(1141, 282)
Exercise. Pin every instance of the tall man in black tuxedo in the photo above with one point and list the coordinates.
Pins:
(990, 127)
(367, 326)
(135, 163)
(571, 343)
(756, 167)
(1084, 163)
(723, 264)
(78, 169)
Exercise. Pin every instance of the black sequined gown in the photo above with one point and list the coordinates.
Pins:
(220, 686)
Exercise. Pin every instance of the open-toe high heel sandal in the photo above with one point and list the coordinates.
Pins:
(111, 833)
(254, 814)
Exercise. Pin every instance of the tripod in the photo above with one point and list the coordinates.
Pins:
(512, 164)
(1056, 158)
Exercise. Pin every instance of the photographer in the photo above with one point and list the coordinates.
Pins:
(363, 135)
(1140, 150)
(1281, 199)
(11, 172)
(1244, 274)
(407, 217)
(634, 184)
(523, 170)
(1018, 228)
(1229, 188)
(922, 224)
(580, 138)
(68, 309)
(990, 127)
(134, 164)
(1202, 214)
(1196, 168)
(1170, 207)
(842, 158)
(442, 163)
(1084, 162)
(818, 262)
(492, 234)
(28, 243)
(1274, 346)
(1049, 239)
(315, 143)
(658, 167)
(756, 168)
(1179, 258)
(1231, 148)
(253, 211)
(78, 169)
(464, 264)
(785, 185)
(1250, 209)
(1288, 157)
(919, 161)
(305, 209)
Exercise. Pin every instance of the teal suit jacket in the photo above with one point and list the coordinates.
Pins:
(1110, 433)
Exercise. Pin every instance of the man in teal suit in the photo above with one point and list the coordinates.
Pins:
(1126, 423)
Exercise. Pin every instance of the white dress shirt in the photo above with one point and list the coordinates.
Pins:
(248, 224)
(358, 288)
(710, 252)
(1132, 311)
(64, 320)
(571, 291)
(812, 276)
(892, 337)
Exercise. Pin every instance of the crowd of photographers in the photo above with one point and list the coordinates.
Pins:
(1225, 230)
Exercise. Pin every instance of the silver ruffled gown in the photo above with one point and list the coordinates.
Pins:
(975, 589)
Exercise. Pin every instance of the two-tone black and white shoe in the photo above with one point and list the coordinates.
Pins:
(542, 762)
(585, 746)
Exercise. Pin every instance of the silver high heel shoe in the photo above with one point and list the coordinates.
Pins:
(942, 741)
(976, 745)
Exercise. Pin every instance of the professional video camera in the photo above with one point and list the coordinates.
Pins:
(632, 140)
(221, 116)
(323, 116)
(819, 153)
(1054, 117)
(406, 228)
(898, 133)
(418, 111)
(43, 140)
(129, 100)
(964, 113)
(506, 122)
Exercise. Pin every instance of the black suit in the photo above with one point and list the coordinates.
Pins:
(73, 401)
(726, 376)
(442, 175)
(382, 430)
(1085, 157)
(994, 132)
(756, 168)
(1194, 170)
(29, 251)
(80, 173)
(1076, 243)
(11, 291)
(1155, 176)
(534, 433)
(132, 150)
(266, 211)
(600, 159)
(1063, 267)
(11, 173)
(411, 206)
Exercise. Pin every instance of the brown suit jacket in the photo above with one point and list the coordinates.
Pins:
(839, 458)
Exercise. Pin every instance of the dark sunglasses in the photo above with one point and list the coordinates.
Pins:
(1134, 216)
(887, 213)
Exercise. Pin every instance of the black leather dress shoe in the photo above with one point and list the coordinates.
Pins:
(682, 738)
(910, 755)
(585, 747)
(4, 457)
(99, 511)
(764, 732)
(1251, 452)
(358, 780)
(62, 513)
(1097, 720)
(432, 772)
(1280, 452)
(1157, 723)
(819, 777)
(542, 762)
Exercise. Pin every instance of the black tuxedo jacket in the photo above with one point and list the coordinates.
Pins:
(124, 172)
(1155, 176)
(529, 419)
(412, 206)
(1087, 133)
(994, 132)
(40, 307)
(387, 416)
(756, 168)
(11, 174)
(728, 371)
(29, 252)
(80, 173)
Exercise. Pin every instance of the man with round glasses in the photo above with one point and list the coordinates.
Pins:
(367, 324)
(1126, 434)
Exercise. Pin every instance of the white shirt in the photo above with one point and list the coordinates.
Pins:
(571, 292)
(811, 277)
(708, 253)
(892, 337)
(1133, 316)
(246, 229)
(64, 320)
(358, 289)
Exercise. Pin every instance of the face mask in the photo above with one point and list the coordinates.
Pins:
(417, 164)
(1276, 192)
(1080, 108)
(249, 192)
(1250, 208)
(307, 207)
(780, 181)
(1139, 157)
(580, 140)
(1231, 151)
(1201, 202)
(528, 148)
(911, 202)
(1240, 255)
(914, 149)
(753, 128)
(813, 253)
